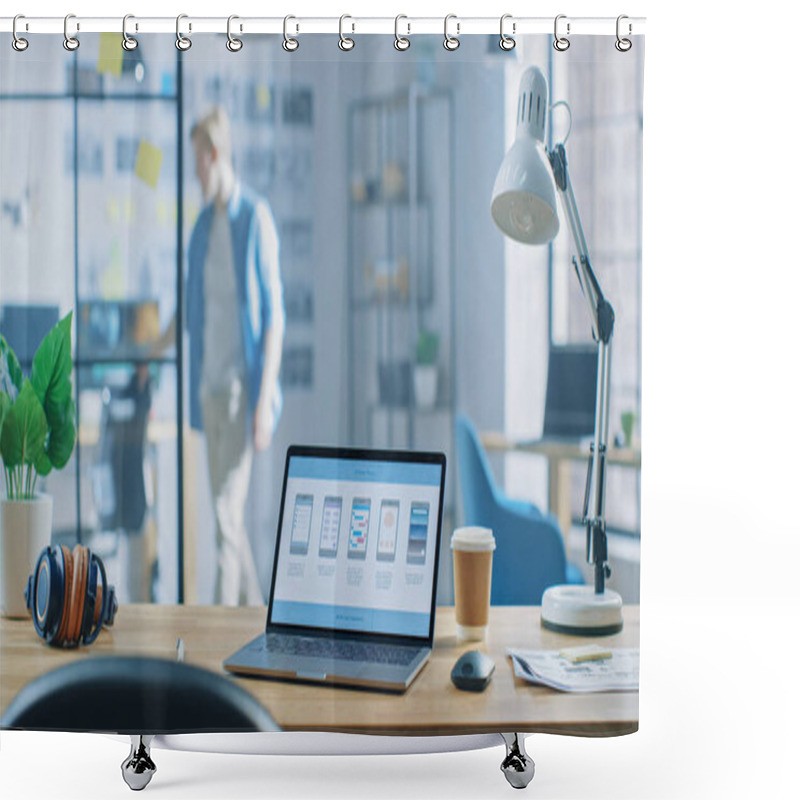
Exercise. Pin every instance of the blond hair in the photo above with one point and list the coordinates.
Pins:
(215, 128)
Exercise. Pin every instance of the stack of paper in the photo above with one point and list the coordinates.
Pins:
(618, 673)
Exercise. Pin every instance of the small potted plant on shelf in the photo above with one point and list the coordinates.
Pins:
(425, 372)
(37, 435)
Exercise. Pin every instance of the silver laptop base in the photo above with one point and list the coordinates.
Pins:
(139, 767)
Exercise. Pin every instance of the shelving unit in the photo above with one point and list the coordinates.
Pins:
(400, 256)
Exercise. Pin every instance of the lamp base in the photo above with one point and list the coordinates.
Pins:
(579, 611)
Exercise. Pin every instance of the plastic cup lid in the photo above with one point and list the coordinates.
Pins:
(473, 538)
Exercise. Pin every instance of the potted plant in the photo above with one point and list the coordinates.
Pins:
(37, 435)
(425, 372)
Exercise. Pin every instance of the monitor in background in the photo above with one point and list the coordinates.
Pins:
(24, 327)
(569, 408)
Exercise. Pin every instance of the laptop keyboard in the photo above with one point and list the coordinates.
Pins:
(340, 649)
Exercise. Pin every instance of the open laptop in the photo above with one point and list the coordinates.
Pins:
(353, 593)
(569, 405)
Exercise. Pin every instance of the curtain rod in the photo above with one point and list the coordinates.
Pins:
(408, 26)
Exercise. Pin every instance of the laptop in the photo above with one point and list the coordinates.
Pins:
(569, 405)
(353, 593)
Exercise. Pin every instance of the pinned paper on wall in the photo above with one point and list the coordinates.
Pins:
(263, 97)
(110, 58)
(148, 163)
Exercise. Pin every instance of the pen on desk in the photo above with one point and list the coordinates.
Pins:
(180, 649)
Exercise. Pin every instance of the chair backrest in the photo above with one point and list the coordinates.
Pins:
(478, 490)
(135, 695)
(530, 553)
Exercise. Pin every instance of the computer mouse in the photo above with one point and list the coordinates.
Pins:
(473, 671)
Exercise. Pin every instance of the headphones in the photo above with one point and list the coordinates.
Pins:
(69, 596)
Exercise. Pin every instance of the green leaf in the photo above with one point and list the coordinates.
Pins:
(25, 429)
(51, 372)
(43, 465)
(10, 370)
(61, 440)
(5, 407)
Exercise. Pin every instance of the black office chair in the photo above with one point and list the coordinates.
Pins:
(138, 696)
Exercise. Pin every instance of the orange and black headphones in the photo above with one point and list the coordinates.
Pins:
(69, 596)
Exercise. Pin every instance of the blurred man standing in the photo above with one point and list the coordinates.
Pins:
(235, 320)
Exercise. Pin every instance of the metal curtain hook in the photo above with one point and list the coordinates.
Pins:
(182, 42)
(623, 45)
(451, 42)
(18, 43)
(345, 42)
(70, 42)
(401, 42)
(507, 42)
(128, 42)
(290, 44)
(233, 44)
(561, 43)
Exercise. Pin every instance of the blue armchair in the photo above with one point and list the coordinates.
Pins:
(530, 553)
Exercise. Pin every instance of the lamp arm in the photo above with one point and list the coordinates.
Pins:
(602, 315)
(600, 309)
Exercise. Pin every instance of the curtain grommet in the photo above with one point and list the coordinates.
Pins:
(290, 44)
(623, 44)
(18, 42)
(71, 43)
(451, 43)
(233, 44)
(507, 42)
(560, 43)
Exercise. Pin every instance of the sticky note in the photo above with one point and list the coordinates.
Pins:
(263, 97)
(148, 163)
(111, 53)
(586, 652)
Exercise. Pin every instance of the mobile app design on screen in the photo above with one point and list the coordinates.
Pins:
(387, 529)
(418, 533)
(359, 528)
(329, 532)
(301, 524)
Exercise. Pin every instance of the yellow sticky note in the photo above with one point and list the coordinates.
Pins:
(587, 652)
(111, 52)
(263, 97)
(148, 163)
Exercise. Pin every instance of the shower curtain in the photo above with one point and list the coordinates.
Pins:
(261, 246)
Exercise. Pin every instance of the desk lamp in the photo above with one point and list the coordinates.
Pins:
(524, 208)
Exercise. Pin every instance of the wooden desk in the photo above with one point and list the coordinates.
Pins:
(559, 455)
(431, 705)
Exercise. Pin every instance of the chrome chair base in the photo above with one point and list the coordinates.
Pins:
(517, 766)
(138, 768)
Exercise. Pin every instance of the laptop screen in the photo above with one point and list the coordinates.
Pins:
(358, 541)
(569, 406)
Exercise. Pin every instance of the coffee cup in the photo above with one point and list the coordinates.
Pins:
(472, 578)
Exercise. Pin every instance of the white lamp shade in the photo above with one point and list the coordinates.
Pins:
(524, 196)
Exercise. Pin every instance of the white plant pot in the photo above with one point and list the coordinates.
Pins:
(25, 528)
(425, 385)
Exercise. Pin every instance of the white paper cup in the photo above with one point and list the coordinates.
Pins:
(472, 578)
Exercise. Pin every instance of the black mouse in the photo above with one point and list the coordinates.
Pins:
(473, 671)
